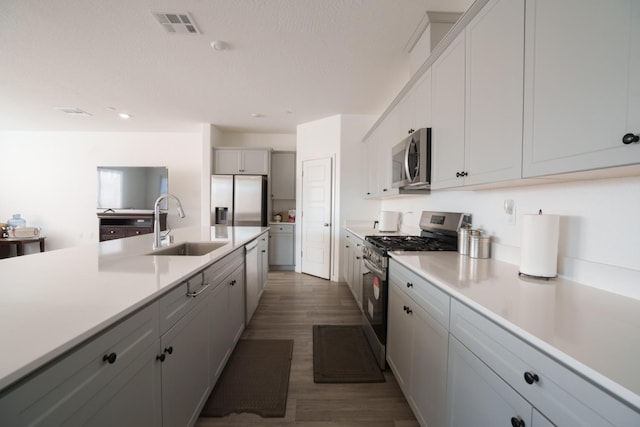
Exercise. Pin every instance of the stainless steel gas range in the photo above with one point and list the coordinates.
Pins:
(439, 232)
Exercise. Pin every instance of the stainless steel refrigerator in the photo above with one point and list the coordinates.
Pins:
(239, 200)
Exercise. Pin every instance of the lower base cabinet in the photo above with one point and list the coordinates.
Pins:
(185, 368)
(417, 346)
(155, 368)
(477, 396)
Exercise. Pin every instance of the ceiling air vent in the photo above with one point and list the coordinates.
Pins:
(177, 22)
(73, 111)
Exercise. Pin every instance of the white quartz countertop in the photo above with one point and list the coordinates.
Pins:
(50, 302)
(593, 332)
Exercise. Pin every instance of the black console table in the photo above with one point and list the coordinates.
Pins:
(116, 225)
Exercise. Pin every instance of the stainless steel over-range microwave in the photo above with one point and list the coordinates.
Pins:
(411, 162)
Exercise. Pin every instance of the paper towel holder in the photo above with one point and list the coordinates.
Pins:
(547, 278)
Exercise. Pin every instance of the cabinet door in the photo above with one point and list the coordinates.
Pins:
(476, 396)
(582, 87)
(448, 91)
(422, 91)
(356, 270)
(283, 175)
(237, 305)
(429, 368)
(387, 138)
(227, 162)
(400, 337)
(220, 327)
(132, 399)
(494, 93)
(185, 370)
(370, 155)
(255, 162)
(281, 249)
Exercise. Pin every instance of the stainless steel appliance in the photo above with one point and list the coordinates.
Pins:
(411, 162)
(439, 232)
(239, 200)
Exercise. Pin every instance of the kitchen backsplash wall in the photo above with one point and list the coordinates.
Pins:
(599, 231)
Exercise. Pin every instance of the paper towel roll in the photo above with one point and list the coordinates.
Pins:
(539, 245)
(388, 221)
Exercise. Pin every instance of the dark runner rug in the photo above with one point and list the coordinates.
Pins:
(256, 380)
(341, 354)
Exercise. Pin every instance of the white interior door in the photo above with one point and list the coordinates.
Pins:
(316, 217)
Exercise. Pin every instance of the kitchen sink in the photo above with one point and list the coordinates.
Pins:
(189, 249)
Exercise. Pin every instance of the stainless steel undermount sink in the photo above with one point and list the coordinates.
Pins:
(189, 249)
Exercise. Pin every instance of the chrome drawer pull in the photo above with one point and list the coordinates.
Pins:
(194, 294)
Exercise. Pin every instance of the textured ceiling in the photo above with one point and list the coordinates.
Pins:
(291, 61)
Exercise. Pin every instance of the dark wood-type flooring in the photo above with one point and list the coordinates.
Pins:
(290, 305)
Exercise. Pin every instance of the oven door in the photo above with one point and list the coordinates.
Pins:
(374, 299)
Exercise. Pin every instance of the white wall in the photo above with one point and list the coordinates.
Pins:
(338, 137)
(276, 141)
(598, 229)
(50, 177)
(316, 140)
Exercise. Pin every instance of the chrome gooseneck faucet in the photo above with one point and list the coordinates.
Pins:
(157, 240)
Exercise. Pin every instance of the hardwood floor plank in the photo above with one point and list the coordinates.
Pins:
(290, 305)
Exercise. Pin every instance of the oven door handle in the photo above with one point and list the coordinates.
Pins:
(372, 267)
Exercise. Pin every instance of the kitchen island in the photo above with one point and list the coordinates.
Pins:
(555, 350)
(54, 303)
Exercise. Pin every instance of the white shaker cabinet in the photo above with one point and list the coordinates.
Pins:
(241, 162)
(448, 79)
(283, 175)
(417, 345)
(281, 246)
(353, 265)
(94, 382)
(185, 367)
(372, 171)
(582, 85)
(494, 93)
(477, 89)
(476, 396)
(263, 260)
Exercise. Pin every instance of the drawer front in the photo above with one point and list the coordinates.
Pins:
(281, 229)
(137, 231)
(564, 397)
(431, 299)
(59, 390)
(218, 272)
(113, 232)
(174, 305)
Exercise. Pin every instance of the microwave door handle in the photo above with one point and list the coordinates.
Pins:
(406, 162)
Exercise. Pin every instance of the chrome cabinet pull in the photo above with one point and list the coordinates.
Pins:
(194, 294)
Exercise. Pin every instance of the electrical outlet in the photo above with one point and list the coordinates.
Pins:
(509, 212)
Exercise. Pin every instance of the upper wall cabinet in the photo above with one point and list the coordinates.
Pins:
(244, 162)
(448, 73)
(478, 100)
(283, 176)
(582, 86)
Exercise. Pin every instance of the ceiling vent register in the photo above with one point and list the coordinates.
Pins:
(177, 23)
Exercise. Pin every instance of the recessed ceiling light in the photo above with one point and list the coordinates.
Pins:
(257, 115)
(73, 111)
(124, 115)
(220, 45)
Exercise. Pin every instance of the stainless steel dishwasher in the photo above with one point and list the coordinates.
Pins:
(252, 283)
